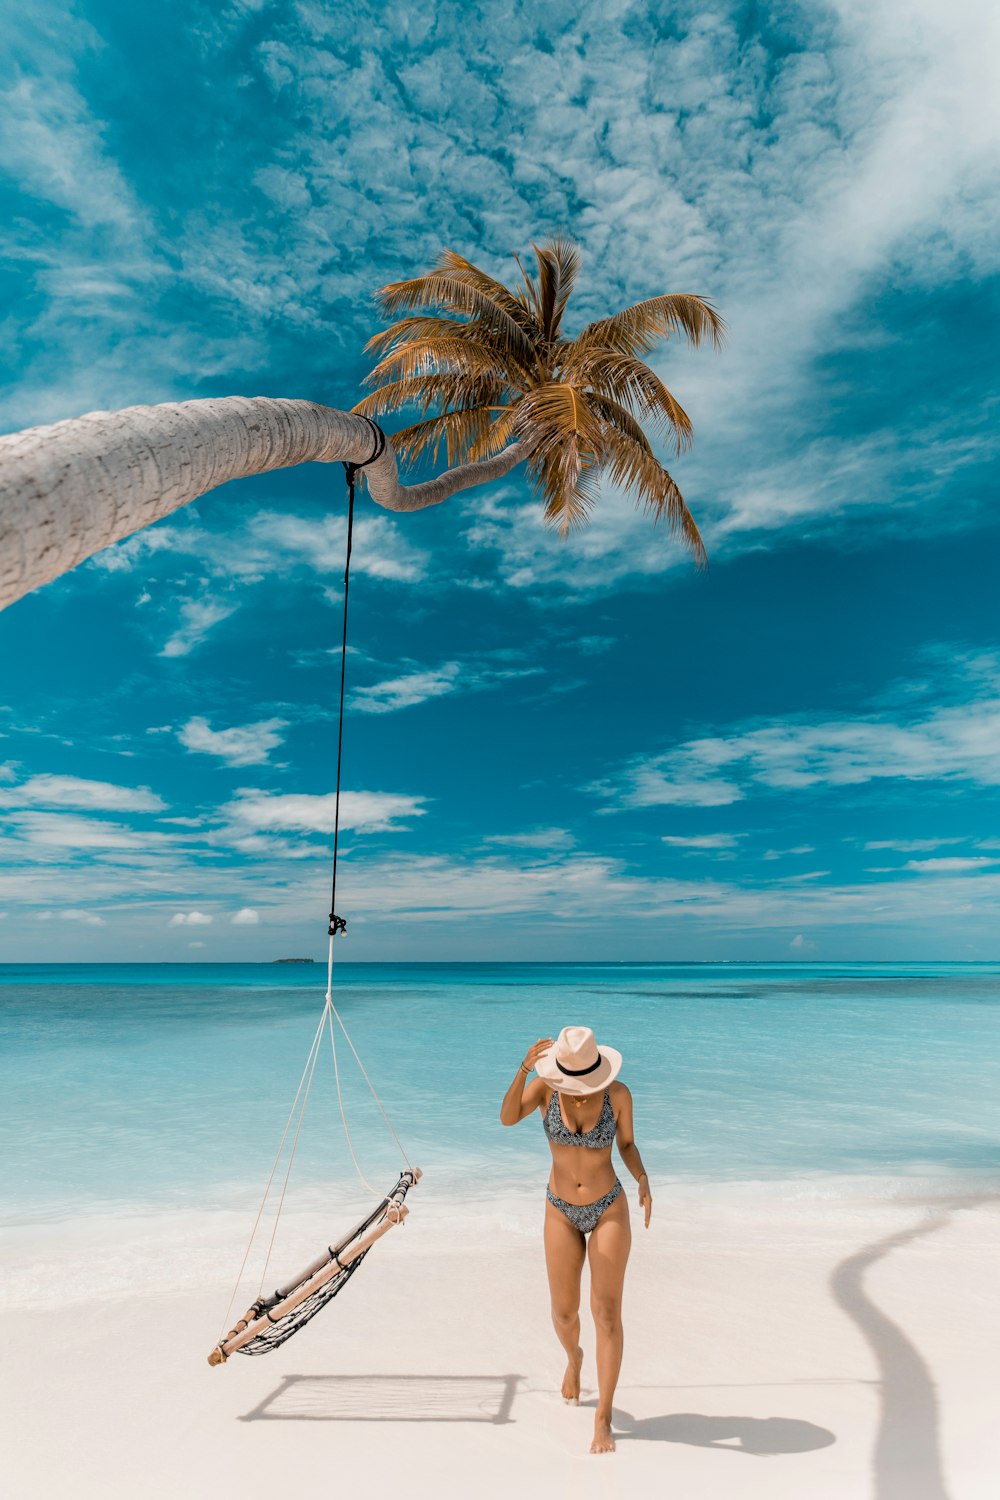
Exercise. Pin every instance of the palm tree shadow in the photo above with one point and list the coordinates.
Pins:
(906, 1462)
(760, 1436)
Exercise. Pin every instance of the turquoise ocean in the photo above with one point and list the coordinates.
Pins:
(135, 1090)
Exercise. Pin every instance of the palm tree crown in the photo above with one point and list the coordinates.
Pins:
(488, 365)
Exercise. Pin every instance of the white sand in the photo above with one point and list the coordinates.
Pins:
(748, 1371)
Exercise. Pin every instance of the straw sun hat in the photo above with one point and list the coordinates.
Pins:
(574, 1064)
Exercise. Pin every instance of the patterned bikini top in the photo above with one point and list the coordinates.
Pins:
(602, 1135)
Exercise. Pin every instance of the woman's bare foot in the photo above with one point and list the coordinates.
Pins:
(603, 1440)
(571, 1380)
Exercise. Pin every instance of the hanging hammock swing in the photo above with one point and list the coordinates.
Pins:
(272, 1319)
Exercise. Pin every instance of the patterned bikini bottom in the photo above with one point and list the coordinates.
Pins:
(584, 1216)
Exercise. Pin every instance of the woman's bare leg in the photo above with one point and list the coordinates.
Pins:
(565, 1249)
(610, 1243)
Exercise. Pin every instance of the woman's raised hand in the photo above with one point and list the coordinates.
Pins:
(534, 1053)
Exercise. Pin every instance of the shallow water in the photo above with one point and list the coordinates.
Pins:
(134, 1088)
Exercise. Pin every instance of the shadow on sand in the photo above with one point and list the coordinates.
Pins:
(906, 1462)
(388, 1398)
(753, 1435)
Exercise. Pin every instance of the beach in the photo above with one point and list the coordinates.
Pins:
(769, 1353)
(828, 1332)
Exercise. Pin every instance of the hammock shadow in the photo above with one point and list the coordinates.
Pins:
(389, 1398)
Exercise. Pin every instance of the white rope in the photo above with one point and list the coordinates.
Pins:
(291, 1158)
(336, 1012)
(375, 1096)
(328, 1012)
(311, 1059)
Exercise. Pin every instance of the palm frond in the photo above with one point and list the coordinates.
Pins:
(422, 326)
(451, 264)
(502, 430)
(425, 391)
(636, 329)
(630, 466)
(559, 410)
(436, 290)
(619, 418)
(567, 482)
(443, 356)
(464, 433)
(567, 438)
(558, 266)
(632, 383)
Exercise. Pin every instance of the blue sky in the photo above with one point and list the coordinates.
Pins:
(554, 750)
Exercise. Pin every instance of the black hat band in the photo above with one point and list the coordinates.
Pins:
(579, 1072)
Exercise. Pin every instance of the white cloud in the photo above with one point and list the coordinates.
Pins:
(380, 548)
(910, 846)
(681, 778)
(948, 865)
(407, 688)
(71, 914)
(55, 147)
(274, 543)
(786, 853)
(800, 944)
(190, 919)
(538, 838)
(123, 556)
(959, 743)
(545, 889)
(197, 618)
(619, 541)
(404, 692)
(245, 917)
(299, 812)
(702, 840)
(72, 831)
(73, 791)
(244, 745)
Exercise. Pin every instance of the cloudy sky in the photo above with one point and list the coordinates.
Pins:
(554, 749)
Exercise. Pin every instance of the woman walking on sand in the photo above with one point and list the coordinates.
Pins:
(584, 1112)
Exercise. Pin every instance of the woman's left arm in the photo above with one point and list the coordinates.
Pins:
(627, 1148)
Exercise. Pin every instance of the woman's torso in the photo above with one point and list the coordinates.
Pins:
(580, 1141)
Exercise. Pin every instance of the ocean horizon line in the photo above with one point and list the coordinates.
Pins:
(496, 963)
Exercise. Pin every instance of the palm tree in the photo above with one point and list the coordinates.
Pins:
(487, 364)
(504, 383)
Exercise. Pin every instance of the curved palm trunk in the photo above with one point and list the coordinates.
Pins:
(68, 490)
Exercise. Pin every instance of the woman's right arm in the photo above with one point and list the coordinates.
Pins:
(523, 1098)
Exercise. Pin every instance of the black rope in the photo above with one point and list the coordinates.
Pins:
(338, 924)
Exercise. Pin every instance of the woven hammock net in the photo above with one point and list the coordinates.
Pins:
(282, 1328)
(274, 1336)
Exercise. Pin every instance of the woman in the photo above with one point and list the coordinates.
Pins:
(584, 1111)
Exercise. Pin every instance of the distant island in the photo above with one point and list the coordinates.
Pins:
(293, 960)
